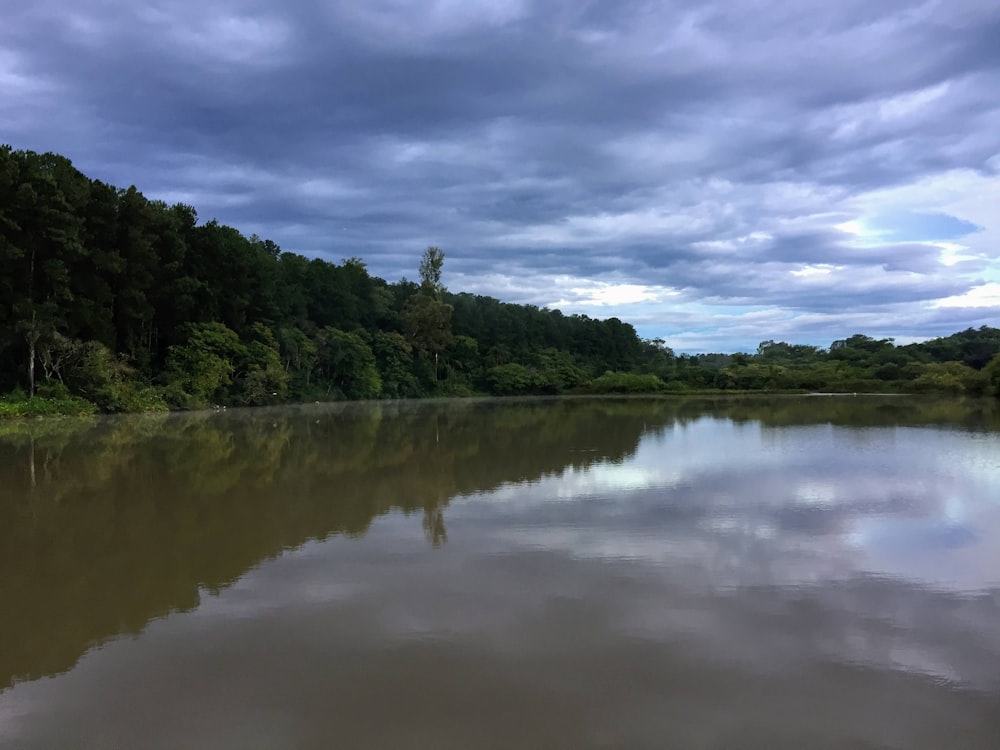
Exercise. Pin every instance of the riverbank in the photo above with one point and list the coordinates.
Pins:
(19, 406)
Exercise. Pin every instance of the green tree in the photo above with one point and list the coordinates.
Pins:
(509, 380)
(199, 371)
(347, 362)
(431, 265)
(108, 380)
(298, 354)
(626, 382)
(951, 377)
(41, 236)
(426, 318)
(264, 380)
(992, 371)
(394, 360)
(557, 371)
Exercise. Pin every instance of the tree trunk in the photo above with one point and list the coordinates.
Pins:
(32, 337)
(31, 367)
(32, 333)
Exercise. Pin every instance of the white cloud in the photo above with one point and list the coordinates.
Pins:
(887, 112)
(985, 295)
(13, 79)
(813, 271)
(256, 41)
(399, 22)
(598, 294)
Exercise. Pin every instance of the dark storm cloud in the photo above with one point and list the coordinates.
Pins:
(704, 147)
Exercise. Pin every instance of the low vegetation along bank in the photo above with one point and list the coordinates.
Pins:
(112, 302)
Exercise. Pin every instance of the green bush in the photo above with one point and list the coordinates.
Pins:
(626, 382)
(109, 381)
(509, 380)
(992, 374)
(454, 388)
(130, 396)
(19, 404)
(200, 371)
(347, 361)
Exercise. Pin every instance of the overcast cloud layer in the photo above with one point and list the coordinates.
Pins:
(715, 172)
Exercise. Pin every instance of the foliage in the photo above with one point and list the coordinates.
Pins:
(132, 304)
(950, 377)
(199, 370)
(626, 382)
(347, 362)
(430, 271)
(510, 379)
(51, 404)
(557, 372)
(393, 359)
(992, 372)
(264, 380)
(110, 382)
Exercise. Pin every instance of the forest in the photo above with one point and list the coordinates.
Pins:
(113, 302)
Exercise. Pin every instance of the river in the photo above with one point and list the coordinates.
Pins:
(785, 572)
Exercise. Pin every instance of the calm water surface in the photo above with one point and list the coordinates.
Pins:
(634, 573)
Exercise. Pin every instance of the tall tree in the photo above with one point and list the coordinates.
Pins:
(430, 271)
(426, 316)
(43, 244)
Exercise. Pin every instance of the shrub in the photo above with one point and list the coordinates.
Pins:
(509, 380)
(626, 382)
(18, 404)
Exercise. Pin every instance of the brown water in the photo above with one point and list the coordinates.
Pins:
(783, 573)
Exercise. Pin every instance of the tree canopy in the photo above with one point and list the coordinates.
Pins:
(132, 304)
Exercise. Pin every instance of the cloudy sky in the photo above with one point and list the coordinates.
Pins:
(716, 172)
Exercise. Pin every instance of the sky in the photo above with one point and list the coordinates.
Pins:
(715, 172)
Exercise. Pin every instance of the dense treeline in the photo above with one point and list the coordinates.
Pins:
(112, 300)
(965, 363)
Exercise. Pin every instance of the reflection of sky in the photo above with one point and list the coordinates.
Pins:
(848, 501)
(815, 512)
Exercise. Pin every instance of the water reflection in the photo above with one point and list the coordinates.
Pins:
(106, 524)
(804, 546)
(583, 573)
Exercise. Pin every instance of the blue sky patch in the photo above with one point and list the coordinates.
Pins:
(911, 226)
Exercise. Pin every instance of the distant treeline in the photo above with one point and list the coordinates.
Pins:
(112, 301)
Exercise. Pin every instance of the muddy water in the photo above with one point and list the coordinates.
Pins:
(791, 572)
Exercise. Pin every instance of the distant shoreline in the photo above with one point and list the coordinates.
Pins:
(867, 393)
